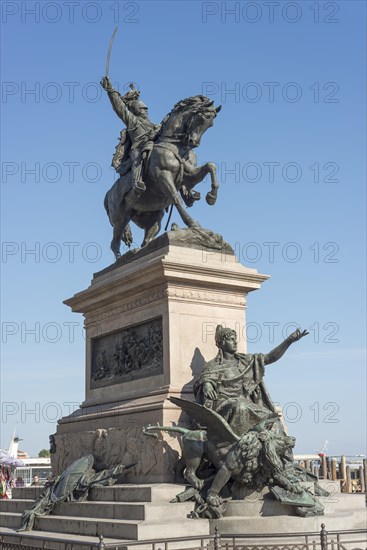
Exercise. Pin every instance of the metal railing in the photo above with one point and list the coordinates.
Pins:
(323, 540)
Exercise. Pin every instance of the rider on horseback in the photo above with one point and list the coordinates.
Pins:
(139, 129)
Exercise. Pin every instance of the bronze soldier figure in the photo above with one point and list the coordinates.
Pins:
(140, 131)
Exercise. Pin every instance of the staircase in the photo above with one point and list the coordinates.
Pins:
(131, 513)
(342, 511)
(121, 513)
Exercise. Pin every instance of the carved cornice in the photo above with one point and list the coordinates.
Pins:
(137, 303)
(206, 296)
(122, 285)
(174, 293)
(231, 274)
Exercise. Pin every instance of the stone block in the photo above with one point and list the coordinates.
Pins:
(332, 487)
(129, 511)
(122, 529)
(167, 299)
(15, 506)
(160, 492)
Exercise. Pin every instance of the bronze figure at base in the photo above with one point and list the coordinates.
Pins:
(237, 437)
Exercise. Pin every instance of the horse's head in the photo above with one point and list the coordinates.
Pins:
(199, 120)
(189, 119)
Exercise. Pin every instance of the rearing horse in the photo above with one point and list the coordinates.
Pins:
(170, 170)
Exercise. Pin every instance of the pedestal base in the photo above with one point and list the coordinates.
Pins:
(150, 321)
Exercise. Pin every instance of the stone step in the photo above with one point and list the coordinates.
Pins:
(258, 505)
(15, 505)
(353, 519)
(160, 492)
(113, 510)
(112, 528)
(156, 510)
(121, 493)
(29, 493)
(332, 486)
(10, 520)
(343, 501)
(261, 507)
(123, 529)
(151, 511)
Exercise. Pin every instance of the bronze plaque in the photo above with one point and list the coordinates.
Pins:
(129, 354)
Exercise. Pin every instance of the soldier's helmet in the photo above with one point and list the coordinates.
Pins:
(137, 107)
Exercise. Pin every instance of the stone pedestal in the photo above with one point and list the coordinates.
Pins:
(150, 320)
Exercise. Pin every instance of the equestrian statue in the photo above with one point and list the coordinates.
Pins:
(156, 164)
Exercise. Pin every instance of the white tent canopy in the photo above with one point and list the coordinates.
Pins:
(7, 460)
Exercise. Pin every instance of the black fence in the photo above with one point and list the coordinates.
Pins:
(334, 540)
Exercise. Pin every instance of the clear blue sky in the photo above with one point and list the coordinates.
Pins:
(291, 80)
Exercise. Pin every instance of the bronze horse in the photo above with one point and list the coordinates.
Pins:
(169, 170)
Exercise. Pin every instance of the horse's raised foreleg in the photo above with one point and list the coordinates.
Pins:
(196, 175)
(168, 188)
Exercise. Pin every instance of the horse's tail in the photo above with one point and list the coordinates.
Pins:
(176, 429)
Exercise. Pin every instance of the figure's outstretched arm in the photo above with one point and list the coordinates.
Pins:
(117, 102)
(280, 350)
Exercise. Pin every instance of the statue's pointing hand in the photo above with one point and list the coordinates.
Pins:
(106, 84)
(297, 335)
